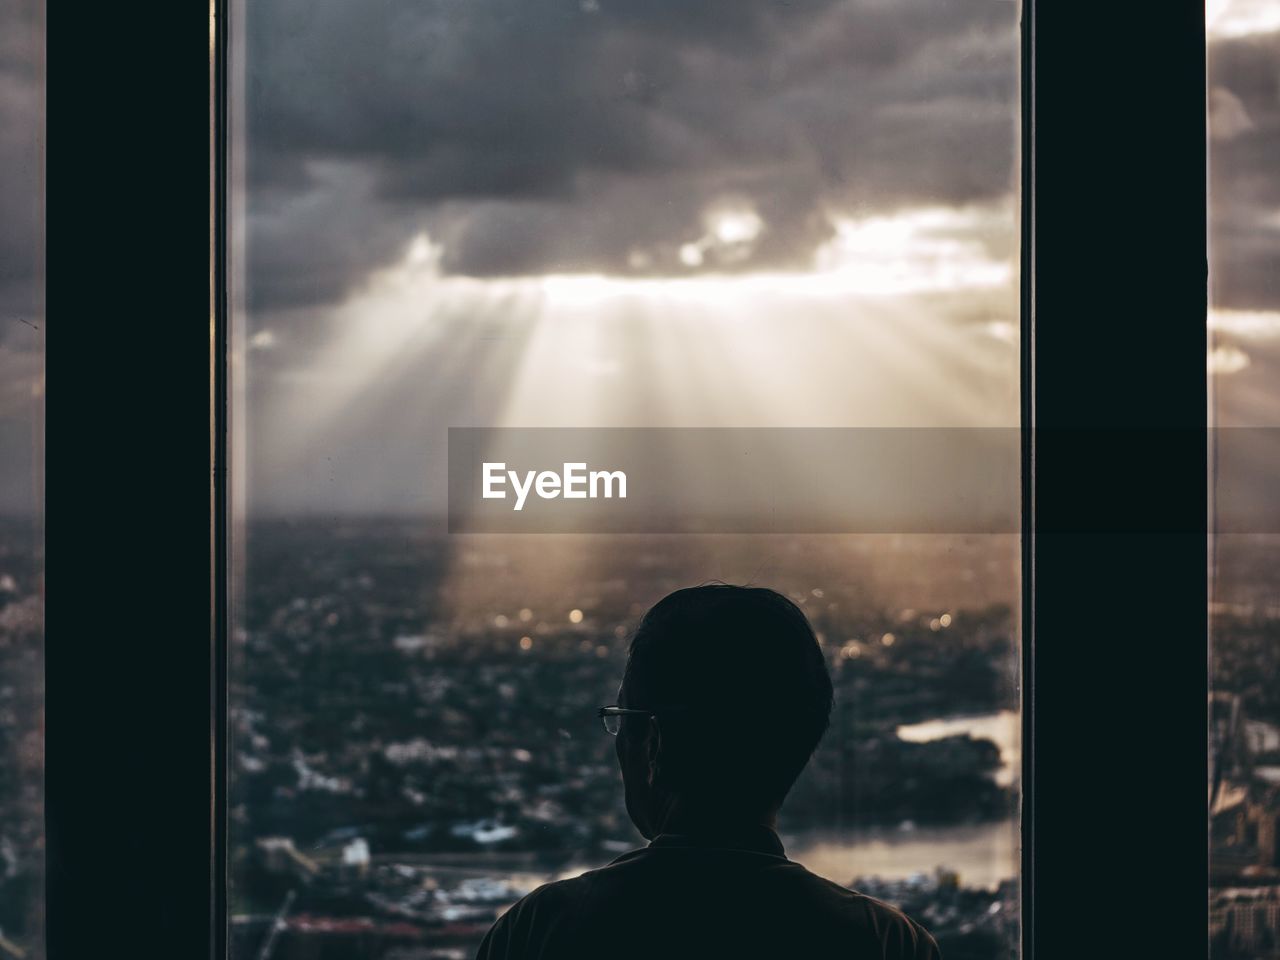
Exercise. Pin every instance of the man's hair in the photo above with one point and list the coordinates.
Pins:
(741, 689)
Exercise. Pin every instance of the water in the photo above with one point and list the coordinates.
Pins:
(1004, 729)
(982, 854)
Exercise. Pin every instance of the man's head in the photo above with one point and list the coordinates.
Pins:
(741, 696)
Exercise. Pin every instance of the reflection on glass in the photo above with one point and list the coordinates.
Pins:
(601, 215)
(1244, 367)
(21, 483)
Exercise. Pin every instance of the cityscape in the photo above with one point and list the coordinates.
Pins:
(1244, 737)
(414, 746)
(403, 769)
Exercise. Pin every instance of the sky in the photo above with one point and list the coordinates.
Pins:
(1244, 210)
(597, 136)
(597, 213)
(594, 213)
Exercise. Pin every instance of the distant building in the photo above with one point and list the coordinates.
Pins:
(1245, 922)
(279, 855)
(1244, 796)
(355, 856)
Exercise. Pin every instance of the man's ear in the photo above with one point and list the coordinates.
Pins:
(653, 748)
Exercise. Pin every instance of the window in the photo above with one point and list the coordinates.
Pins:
(1114, 792)
(602, 216)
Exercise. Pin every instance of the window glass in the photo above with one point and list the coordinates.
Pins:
(1244, 367)
(21, 479)
(601, 214)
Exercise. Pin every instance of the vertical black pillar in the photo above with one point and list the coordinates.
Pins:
(129, 785)
(1116, 372)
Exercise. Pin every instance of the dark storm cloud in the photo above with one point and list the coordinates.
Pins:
(533, 136)
(1244, 113)
(309, 243)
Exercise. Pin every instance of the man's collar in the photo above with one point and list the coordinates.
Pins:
(755, 838)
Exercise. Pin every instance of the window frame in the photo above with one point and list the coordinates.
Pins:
(131, 484)
(127, 702)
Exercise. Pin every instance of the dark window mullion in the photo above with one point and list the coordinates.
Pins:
(1117, 666)
(128, 772)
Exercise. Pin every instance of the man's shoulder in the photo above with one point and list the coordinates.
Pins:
(554, 895)
(555, 898)
(900, 935)
(534, 918)
(863, 916)
(571, 892)
(564, 911)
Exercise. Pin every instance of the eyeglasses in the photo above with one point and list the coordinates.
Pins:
(611, 716)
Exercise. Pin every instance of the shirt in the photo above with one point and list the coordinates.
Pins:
(700, 896)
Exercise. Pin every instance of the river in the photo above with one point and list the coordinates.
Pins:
(1004, 729)
(982, 854)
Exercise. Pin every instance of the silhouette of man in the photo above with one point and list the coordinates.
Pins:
(725, 696)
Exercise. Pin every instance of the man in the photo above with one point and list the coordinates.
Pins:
(725, 696)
